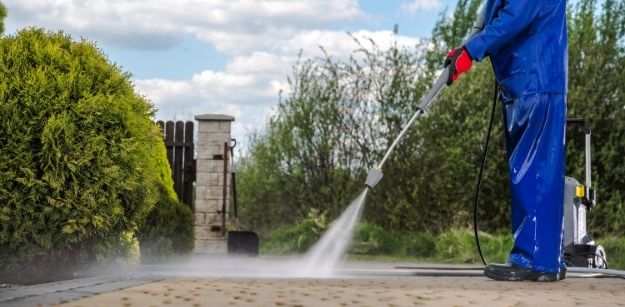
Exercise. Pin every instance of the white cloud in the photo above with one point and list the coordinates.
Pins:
(340, 44)
(261, 38)
(415, 6)
(233, 26)
(250, 84)
(257, 63)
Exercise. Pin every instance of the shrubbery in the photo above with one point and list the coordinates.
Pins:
(370, 240)
(80, 158)
(452, 246)
(458, 246)
(168, 230)
(614, 249)
(298, 238)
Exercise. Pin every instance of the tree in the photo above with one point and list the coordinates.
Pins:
(3, 15)
(324, 135)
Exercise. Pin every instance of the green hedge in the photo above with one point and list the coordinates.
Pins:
(80, 157)
(168, 230)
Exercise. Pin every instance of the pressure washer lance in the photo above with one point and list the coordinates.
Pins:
(375, 174)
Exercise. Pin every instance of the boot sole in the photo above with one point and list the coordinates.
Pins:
(525, 276)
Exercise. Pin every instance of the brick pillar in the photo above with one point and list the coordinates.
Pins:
(213, 132)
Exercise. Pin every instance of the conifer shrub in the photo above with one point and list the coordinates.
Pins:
(81, 160)
(168, 230)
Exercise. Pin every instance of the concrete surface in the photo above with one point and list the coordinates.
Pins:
(360, 291)
(224, 283)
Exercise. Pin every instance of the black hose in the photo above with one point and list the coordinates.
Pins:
(235, 206)
(479, 177)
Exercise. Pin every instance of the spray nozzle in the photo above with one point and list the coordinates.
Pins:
(373, 177)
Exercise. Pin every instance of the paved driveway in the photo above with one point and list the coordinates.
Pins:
(276, 282)
(362, 291)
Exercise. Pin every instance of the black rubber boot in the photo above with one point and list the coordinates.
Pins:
(511, 272)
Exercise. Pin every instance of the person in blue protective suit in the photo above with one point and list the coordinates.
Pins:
(526, 41)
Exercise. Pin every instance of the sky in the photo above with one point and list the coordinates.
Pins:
(192, 57)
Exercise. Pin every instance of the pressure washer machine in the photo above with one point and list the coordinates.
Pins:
(580, 250)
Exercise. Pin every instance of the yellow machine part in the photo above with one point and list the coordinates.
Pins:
(580, 191)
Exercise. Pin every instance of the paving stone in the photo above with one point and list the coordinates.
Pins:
(65, 291)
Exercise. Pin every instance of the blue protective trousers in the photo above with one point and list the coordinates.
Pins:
(535, 131)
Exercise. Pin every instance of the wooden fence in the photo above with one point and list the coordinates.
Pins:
(178, 138)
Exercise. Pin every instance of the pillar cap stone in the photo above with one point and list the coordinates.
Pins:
(214, 117)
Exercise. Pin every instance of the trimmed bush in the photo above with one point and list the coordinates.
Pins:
(168, 230)
(80, 157)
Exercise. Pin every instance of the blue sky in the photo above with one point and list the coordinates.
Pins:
(223, 56)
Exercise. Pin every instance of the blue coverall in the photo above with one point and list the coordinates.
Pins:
(526, 41)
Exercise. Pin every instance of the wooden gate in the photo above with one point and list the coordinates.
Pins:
(178, 138)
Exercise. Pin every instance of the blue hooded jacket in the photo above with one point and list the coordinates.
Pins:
(526, 41)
